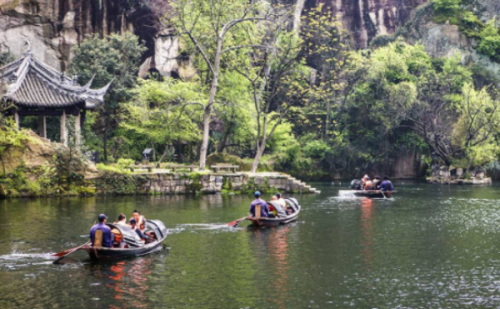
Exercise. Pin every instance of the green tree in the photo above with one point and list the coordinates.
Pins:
(326, 50)
(447, 6)
(490, 41)
(115, 59)
(477, 126)
(163, 113)
(215, 28)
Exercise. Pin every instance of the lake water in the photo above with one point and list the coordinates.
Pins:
(427, 247)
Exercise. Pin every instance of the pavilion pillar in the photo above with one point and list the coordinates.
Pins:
(17, 120)
(78, 130)
(42, 126)
(64, 132)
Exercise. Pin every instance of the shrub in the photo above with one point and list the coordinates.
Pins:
(490, 41)
(111, 169)
(448, 7)
(124, 163)
(316, 149)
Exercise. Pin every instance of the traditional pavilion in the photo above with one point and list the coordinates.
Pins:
(36, 89)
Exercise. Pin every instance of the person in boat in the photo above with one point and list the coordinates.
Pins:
(135, 227)
(355, 185)
(386, 185)
(283, 204)
(107, 236)
(272, 210)
(281, 200)
(122, 220)
(118, 242)
(364, 180)
(368, 184)
(142, 228)
(376, 183)
(264, 209)
(138, 217)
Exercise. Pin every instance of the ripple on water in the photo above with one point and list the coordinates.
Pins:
(17, 261)
(428, 247)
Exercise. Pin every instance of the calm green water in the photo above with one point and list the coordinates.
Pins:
(428, 247)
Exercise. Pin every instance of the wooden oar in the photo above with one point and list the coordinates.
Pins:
(236, 222)
(65, 253)
(383, 193)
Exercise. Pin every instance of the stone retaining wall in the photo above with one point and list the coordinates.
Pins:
(458, 176)
(183, 183)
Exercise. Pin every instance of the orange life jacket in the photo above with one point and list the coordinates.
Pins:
(118, 235)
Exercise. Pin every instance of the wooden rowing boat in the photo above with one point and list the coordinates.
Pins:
(283, 216)
(366, 193)
(134, 245)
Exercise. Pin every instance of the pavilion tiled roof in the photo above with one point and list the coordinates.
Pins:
(31, 83)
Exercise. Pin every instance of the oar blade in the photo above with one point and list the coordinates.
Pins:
(65, 253)
(236, 222)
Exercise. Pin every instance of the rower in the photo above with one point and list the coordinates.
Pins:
(258, 203)
(100, 234)
(386, 185)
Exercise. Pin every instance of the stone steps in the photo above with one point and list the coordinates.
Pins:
(296, 185)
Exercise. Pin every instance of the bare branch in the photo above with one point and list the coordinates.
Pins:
(245, 46)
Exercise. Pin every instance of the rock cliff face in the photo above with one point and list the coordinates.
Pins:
(443, 40)
(54, 26)
(366, 19)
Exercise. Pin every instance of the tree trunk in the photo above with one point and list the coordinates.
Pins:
(105, 146)
(223, 142)
(227, 133)
(261, 146)
(208, 108)
(327, 118)
(258, 155)
(206, 136)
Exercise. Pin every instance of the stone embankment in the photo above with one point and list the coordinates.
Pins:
(458, 176)
(204, 183)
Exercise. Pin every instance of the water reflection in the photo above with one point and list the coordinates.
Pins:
(367, 241)
(429, 247)
(125, 281)
(278, 248)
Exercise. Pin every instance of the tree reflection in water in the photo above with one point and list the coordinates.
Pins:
(129, 282)
(367, 241)
(278, 247)
(275, 240)
(126, 280)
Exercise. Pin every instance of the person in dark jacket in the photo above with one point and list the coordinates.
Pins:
(264, 209)
(135, 227)
(386, 185)
(107, 236)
